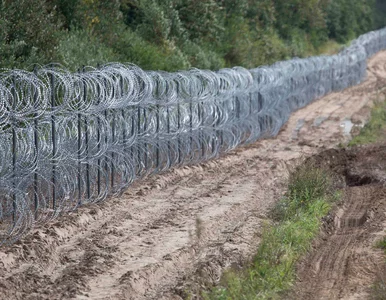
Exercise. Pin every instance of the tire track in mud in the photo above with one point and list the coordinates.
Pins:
(186, 225)
(218, 227)
(344, 263)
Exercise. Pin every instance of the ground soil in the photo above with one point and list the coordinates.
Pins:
(184, 226)
(344, 262)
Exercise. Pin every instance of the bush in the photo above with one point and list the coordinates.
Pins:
(202, 58)
(28, 32)
(78, 48)
(347, 19)
(130, 47)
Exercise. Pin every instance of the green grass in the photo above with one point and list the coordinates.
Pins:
(375, 130)
(381, 244)
(298, 219)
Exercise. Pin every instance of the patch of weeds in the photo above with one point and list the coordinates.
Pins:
(305, 184)
(298, 219)
(381, 244)
(375, 130)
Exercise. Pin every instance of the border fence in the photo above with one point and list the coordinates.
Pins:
(67, 139)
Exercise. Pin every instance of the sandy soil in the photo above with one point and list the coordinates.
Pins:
(186, 224)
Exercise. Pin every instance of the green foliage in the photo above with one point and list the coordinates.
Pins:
(347, 19)
(381, 244)
(77, 48)
(178, 34)
(305, 185)
(202, 20)
(379, 15)
(130, 47)
(272, 270)
(202, 58)
(374, 131)
(28, 32)
(68, 9)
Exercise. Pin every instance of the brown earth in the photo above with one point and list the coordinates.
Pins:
(344, 262)
(187, 223)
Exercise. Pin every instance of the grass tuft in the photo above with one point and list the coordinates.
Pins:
(298, 217)
(375, 130)
(381, 244)
(306, 184)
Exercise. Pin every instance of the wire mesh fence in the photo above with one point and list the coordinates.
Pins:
(67, 139)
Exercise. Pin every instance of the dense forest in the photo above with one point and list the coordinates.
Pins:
(178, 34)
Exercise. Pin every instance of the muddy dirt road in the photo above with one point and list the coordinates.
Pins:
(185, 224)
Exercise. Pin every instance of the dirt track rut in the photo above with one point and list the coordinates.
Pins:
(344, 266)
(187, 223)
(344, 262)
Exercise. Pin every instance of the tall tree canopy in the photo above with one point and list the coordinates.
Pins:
(178, 34)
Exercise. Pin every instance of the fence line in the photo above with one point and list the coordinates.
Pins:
(67, 139)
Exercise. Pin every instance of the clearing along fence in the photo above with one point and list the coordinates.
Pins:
(68, 139)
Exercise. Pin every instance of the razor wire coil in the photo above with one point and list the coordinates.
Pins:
(67, 139)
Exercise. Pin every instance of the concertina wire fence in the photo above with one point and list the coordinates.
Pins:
(67, 139)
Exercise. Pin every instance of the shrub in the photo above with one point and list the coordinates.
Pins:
(28, 32)
(77, 48)
(130, 47)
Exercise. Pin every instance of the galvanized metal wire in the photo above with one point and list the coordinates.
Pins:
(67, 139)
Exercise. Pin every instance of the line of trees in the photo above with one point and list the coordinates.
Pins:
(177, 34)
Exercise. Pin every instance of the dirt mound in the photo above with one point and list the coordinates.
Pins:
(344, 262)
(358, 165)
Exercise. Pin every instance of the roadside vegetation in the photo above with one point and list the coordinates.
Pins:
(375, 130)
(178, 34)
(297, 220)
(382, 244)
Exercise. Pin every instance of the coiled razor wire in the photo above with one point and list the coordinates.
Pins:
(68, 139)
